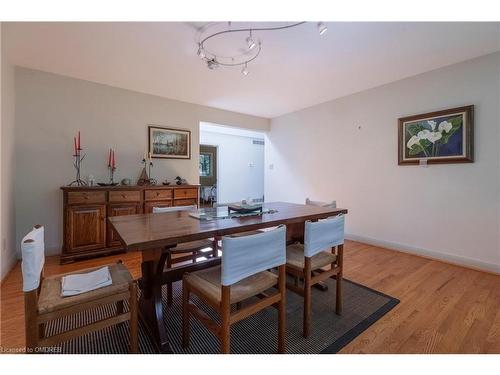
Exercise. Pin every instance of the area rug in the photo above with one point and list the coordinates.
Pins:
(255, 335)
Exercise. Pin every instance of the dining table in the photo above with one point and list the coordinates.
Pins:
(154, 234)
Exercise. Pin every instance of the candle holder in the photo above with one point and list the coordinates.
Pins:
(77, 163)
(111, 175)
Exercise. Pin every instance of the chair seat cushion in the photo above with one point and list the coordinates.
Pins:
(295, 257)
(50, 298)
(187, 247)
(208, 282)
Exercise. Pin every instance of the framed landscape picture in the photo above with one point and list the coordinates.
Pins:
(169, 143)
(437, 137)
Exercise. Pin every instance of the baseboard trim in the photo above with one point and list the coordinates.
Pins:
(11, 263)
(52, 250)
(444, 257)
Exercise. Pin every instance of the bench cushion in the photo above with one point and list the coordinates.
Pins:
(50, 298)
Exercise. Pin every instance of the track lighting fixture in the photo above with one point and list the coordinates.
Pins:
(253, 49)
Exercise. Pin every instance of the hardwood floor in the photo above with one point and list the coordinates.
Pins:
(444, 308)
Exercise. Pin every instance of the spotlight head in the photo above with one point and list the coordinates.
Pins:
(244, 71)
(322, 28)
(250, 43)
(201, 52)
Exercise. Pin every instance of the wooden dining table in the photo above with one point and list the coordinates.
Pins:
(155, 234)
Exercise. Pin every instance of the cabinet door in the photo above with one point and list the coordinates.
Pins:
(119, 210)
(86, 228)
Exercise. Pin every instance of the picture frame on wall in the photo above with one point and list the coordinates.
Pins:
(169, 143)
(445, 136)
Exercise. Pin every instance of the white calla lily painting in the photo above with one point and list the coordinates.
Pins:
(437, 137)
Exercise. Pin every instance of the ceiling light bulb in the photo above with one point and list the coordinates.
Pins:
(244, 71)
(250, 42)
(322, 28)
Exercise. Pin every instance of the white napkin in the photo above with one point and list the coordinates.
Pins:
(85, 282)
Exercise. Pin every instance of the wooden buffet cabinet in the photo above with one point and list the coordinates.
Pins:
(87, 232)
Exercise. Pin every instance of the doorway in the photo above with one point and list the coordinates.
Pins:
(208, 175)
(231, 164)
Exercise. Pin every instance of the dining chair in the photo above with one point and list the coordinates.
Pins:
(307, 262)
(43, 300)
(332, 204)
(244, 273)
(186, 251)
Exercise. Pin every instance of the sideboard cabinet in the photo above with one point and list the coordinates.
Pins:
(86, 231)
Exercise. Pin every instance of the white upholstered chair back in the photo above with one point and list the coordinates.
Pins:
(157, 210)
(245, 256)
(332, 204)
(33, 258)
(323, 234)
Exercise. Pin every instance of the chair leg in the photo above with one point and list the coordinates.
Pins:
(338, 301)
(169, 285)
(215, 245)
(340, 264)
(307, 298)
(134, 345)
(282, 310)
(31, 327)
(185, 315)
(225, 329)
(41, 331)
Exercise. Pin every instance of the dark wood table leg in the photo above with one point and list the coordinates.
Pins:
(150, 303)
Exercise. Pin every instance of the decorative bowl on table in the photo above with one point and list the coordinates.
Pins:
(244, 208)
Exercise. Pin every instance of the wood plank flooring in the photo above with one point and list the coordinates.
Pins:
(444, 308)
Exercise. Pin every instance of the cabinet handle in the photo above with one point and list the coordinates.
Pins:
(124, 196)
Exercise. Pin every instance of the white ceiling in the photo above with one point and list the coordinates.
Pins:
(297, 68)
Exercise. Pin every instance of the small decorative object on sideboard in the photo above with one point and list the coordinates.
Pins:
(145, 177)
(91, 180)
(77, 154)
(112, 167)
(180, 181)
(166, 182)
(126, 182)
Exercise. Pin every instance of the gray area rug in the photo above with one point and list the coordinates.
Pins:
(257, 334)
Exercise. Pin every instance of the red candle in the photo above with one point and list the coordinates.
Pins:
(114, 164)
(79, 144)
(74, 138)
(109, 158)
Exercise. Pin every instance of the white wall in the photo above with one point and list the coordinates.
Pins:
(50, 109)
(7, 218)
(236, 179)
(445, 211)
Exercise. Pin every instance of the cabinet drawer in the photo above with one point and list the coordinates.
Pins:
(185, 202)
(124, 196)
(82, 197)
(148, 206)
(186, 193)
(158, 195)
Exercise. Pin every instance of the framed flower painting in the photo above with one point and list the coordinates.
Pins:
(437, 137)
